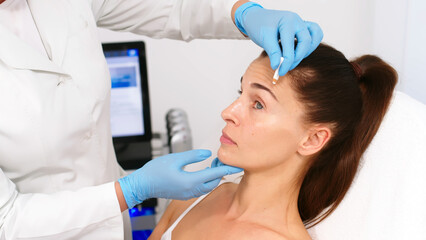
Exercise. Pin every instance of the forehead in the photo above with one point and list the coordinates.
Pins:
(260, 71)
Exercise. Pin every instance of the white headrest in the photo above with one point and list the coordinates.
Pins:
(388, 197)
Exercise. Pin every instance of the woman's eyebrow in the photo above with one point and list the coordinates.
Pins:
(260, 86)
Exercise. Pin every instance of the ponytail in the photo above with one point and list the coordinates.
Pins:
(353, 98)
(377, 83)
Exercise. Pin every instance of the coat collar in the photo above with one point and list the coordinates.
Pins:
(51, 20)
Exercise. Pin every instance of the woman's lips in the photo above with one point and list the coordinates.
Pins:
(225, 139)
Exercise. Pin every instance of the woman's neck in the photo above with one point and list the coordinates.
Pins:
(268, 195)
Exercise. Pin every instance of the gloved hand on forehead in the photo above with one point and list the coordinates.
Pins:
(265, 27)
(164, 177)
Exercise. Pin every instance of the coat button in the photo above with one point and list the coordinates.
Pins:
(62, 79)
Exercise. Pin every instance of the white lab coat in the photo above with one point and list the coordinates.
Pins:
(57, 163)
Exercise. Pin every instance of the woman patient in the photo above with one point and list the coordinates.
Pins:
(299, 142)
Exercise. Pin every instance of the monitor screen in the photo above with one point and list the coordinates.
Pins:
(130, 120)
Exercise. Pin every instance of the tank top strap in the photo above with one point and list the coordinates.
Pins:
(168, 234)
(186, 211)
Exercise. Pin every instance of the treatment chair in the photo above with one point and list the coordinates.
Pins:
(387, 199)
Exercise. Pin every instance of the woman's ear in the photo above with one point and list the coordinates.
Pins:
(314, 141)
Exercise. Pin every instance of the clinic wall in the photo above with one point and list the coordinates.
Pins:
(399, 38)
(413, 69)
(202, 77)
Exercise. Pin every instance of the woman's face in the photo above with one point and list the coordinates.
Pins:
(264, 125)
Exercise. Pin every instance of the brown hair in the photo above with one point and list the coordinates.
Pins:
(353, 98)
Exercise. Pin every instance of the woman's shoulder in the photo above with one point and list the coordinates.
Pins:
(173, 210)
(177, 207)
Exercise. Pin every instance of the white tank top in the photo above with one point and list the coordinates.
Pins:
(167, 235)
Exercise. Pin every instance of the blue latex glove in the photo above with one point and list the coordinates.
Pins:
(265, 27)
(217, 163)
(164, 177)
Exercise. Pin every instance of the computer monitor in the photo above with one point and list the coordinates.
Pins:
(130, 111)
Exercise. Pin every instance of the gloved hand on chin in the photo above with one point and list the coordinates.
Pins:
(164, 177)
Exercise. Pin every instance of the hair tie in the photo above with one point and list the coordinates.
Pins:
(357, 69)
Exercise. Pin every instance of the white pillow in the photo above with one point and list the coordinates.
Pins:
(387, 199)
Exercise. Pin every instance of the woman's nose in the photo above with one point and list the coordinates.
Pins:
(232, 113)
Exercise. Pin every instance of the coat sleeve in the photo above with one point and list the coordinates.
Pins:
(88, 213)
(175, 19)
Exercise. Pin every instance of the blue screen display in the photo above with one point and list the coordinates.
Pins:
(126, 93)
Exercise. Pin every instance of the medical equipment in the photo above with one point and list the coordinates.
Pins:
(178, 131)
(179, 127)
(176, 121)
(174, 113)
(180, 142)
(130, 110)
(276, 76)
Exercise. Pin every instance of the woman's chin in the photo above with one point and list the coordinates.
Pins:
(227, 157)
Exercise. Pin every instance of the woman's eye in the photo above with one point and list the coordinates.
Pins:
(258, 105)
